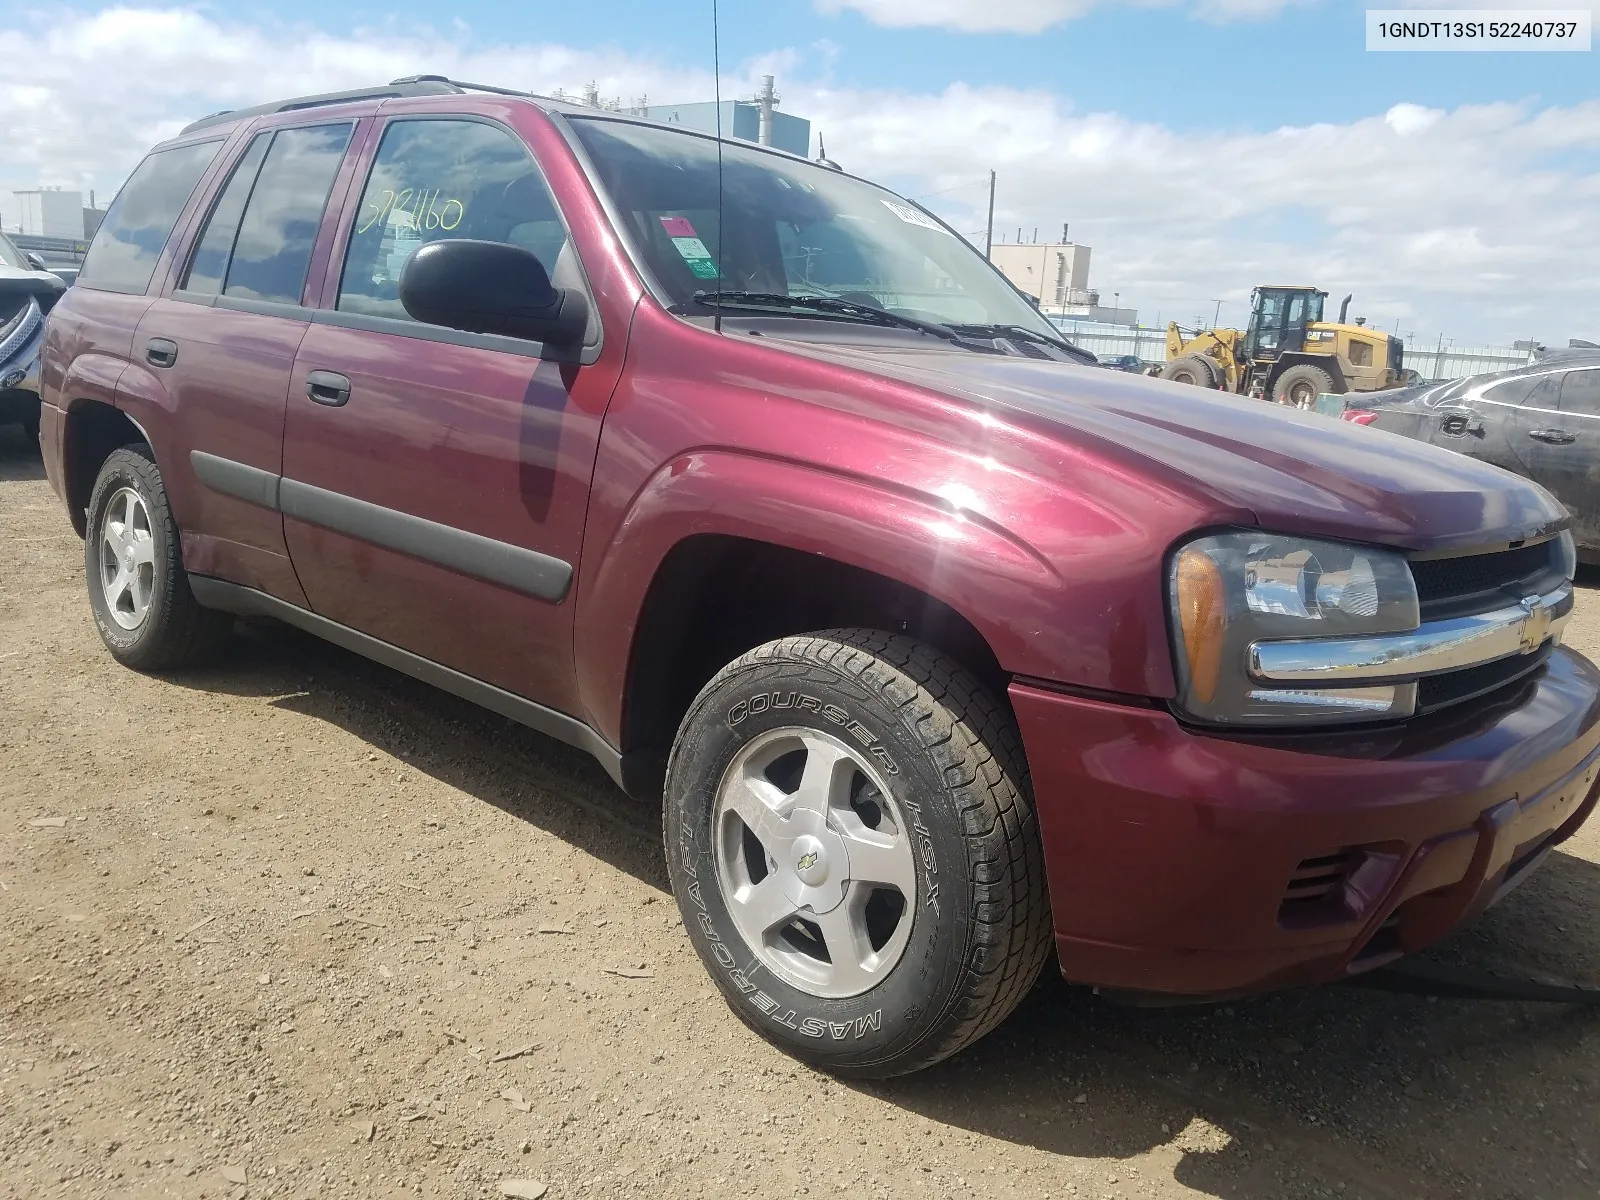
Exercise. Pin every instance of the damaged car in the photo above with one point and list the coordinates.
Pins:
(27, 292)
(1541, 421)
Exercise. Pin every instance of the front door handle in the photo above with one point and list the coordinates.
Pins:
(1553, 437)
(328, 387)
(161, 352)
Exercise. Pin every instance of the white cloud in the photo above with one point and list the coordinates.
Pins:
(1476, 220)
(1406, 119)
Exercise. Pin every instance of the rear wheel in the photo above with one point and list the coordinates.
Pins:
(1191, 368)
(138, 590)
(1300, 385)
(852, 844)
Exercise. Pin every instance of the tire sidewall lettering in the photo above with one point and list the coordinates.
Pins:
(894, 1011)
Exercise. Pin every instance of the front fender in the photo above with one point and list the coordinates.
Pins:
(1033, 620)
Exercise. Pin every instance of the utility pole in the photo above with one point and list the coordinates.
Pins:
(1217, 318)
(988, 235)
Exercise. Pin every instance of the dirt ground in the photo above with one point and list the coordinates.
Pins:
(304, 927)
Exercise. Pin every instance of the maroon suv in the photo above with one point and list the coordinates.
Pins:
(752, 479)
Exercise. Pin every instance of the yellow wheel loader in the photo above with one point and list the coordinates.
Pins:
(1288, 354)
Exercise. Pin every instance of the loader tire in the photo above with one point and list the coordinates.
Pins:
(1299, 386)
(1191, 368)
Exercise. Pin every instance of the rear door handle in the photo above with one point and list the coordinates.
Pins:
(1554, 437)
(161, 352)
(328, 387)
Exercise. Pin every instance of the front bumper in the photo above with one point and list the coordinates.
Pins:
(19, 370)
(1179, 861)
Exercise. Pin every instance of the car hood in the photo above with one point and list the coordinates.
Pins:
(17, 285)
(1296, 472)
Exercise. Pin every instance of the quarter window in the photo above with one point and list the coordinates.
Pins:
(128, 244)
(209, 265)
(436, 179)
(278, 228)
(1580, 392)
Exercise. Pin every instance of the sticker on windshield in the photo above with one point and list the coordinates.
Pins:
(689, 247)
(914, 216)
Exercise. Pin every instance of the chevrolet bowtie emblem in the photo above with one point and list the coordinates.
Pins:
(1536, 625)
(807, 861)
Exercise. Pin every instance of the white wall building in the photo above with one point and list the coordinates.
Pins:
(49, 212)
(1056, 274)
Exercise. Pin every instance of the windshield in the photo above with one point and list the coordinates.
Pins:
(793, 229)
(10, 256)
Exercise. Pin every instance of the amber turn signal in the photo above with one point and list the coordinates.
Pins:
(1202, 616)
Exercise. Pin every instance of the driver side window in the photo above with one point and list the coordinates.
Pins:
(435, 179)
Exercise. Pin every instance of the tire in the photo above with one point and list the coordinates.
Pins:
(147, 616)
(1299, 386)
(930, 781)
(1191, 368)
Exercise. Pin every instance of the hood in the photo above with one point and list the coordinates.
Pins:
(1296, 472)
(16, 286)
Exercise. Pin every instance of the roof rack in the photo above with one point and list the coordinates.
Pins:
(460, 85)
(414, 85)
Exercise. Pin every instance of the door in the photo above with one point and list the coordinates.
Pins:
(1482, 422)
(224, 342)
(1560, 448)
(435, 483)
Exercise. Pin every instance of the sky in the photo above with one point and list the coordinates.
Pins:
(1199, 147)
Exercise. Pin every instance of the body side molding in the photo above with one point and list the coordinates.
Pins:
(235, 479)
(539, 575)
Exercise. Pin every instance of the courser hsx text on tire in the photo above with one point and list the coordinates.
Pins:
(133, 562)
(851, 839)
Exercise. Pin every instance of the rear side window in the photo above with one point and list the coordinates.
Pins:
(1512, 391)
(1580, 392)
(123, 255)
(209, 265)
(436, 179)
(278, 228)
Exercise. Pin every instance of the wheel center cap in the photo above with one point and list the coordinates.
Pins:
(127, 559)
(810, 860)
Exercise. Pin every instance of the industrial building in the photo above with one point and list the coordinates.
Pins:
(1056, 274)
(754, 120)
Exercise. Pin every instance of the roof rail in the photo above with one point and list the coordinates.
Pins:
(416, 85)
(459, 85)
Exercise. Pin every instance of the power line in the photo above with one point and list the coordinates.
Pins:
(953, 188)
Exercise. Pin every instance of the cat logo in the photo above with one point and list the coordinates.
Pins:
(807, 861)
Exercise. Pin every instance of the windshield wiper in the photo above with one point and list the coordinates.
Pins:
(831, 305)
(1028, 335)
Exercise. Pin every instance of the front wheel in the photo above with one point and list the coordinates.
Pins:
(1192, 368)
(1300, 385)
(852, 843)
(138, 590)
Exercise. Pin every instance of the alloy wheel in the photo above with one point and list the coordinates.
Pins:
(127, 558)
(815, 861)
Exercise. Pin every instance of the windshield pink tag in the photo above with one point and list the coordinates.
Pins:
(678, 227)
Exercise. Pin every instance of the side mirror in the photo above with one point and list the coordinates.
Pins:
(35, 262)
(491, 287)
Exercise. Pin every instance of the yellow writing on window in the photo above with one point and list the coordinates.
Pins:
(424, 208)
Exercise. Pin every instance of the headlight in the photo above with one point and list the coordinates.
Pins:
(1232, 589)
(1568, 555)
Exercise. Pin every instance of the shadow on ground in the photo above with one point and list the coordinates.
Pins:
(1287, 1095)
(19, 456)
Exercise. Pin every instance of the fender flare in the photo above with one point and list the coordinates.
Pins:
(919, 540)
